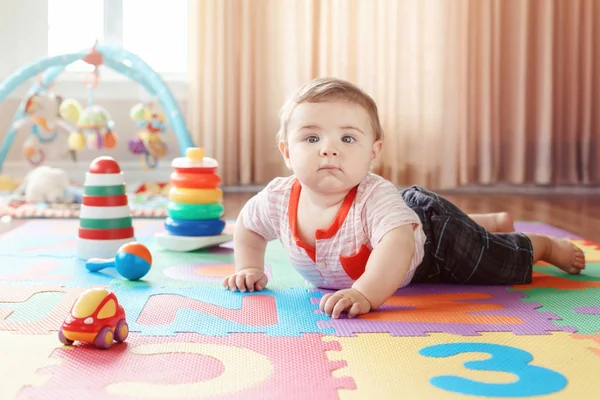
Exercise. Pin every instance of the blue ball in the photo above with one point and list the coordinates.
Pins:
(130, 266)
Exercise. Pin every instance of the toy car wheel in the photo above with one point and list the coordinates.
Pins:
(121, 331)
(104, 339)
(62, 338)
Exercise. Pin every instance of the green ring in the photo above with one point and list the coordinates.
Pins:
(114, 223)
(116, 190)
(194, 211)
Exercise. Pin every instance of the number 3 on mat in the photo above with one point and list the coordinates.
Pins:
(533, 380)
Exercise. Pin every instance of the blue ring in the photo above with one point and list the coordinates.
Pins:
(207, 227)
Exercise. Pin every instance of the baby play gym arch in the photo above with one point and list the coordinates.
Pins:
(113, 57)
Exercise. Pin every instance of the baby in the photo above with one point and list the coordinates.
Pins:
(349, 230)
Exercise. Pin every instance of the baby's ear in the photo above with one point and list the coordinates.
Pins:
(377, 145)
(285, 152)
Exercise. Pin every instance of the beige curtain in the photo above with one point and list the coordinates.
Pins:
(469, 91)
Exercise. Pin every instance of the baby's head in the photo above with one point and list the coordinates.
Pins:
(330, 134)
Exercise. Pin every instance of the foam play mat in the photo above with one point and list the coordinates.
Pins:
(191, 339)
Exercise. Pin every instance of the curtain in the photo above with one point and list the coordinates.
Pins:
(470, 92)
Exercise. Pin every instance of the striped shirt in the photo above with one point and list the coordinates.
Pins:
(342, 250)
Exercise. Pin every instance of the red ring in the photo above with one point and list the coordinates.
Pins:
(195, 181)
(106, 234)
(105, 201)
(195, 170)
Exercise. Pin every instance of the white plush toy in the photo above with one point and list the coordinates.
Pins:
(47, 184)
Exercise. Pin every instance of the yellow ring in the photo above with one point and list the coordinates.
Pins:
(195, 196)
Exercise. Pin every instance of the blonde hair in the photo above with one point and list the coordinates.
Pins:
(328, 89)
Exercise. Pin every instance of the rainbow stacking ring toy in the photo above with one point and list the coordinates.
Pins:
(195, 204)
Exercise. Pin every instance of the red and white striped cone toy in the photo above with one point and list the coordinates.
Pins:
(105, 222)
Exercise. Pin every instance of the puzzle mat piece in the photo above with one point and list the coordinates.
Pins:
(589, 310)
(539, 227)
(52, 246)
(209, 267)
(43, 228)
(563, 303)
(217, 311)
(35, 310)
(19, 269)
(550, 277)
(164, 260)
(419, 309)
(595, 338)
(58, 238)
(249, 366)
(30, 246)
(22, 356)
(67, 227)
(68, 272)
(384, 366)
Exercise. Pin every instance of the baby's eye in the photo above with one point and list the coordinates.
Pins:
(348, 139)
(312, 139)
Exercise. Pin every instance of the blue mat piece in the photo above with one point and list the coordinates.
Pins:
(36, 271)
(212, 311)
(30, 310)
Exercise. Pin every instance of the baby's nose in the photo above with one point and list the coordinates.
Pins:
(328, 151)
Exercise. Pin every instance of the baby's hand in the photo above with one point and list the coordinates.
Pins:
(350, 300)
(250, 279)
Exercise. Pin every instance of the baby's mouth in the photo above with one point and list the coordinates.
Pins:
(329, 168)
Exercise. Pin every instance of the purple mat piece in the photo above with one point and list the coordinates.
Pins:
(537, 227)
(588, 310)
(534, 322)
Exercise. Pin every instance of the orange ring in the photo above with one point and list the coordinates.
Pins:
(195, 181)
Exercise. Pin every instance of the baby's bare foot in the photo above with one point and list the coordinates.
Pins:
(504, 222)
(565, 255)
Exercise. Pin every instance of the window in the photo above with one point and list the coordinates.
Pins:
(154, 30)
(109, 310)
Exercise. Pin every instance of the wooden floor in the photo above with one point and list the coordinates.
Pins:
(579, 214)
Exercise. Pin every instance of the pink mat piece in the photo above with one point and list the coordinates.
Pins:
(202, 367)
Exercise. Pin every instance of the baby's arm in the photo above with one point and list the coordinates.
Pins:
(249, 253)
(256, 225)
(387, 266)
(384, 273)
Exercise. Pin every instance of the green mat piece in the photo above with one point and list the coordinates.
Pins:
(283, 276)
(34, 309)
(562, 302)
(590, 274)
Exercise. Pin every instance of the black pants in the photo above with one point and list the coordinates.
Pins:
(459, 250)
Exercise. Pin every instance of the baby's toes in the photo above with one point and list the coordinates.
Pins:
(579, 259)
(573, 269)
(579, 263)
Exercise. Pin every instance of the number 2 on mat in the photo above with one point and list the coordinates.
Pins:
(532, 380)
